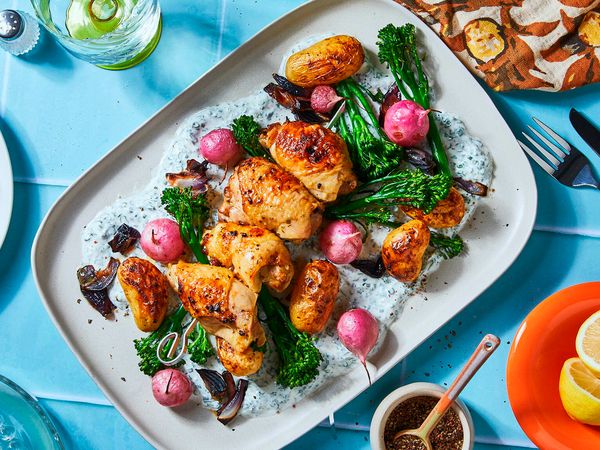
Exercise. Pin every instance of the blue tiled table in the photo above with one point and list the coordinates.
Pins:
(59, 115)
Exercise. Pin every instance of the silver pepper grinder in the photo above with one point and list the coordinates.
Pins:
(19, 32)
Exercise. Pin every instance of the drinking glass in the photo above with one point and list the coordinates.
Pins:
(112, 34)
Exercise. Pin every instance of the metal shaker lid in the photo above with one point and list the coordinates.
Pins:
(11, 24)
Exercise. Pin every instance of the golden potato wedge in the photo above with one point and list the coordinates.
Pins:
(314, 296)
(446, 214)
(145, 288)
(327, 62)
(239, 364)
(403, 249)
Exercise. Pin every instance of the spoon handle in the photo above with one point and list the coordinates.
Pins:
(486, 347)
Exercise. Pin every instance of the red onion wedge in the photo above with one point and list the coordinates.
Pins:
(93, 285)
(231, 409)
(292, 88)
(230, 382)
(92, 280)
(124, 239)
(371, 267)
(214, 382)
(193, 176)
(471, 187)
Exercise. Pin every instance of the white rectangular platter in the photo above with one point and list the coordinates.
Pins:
(492, 245)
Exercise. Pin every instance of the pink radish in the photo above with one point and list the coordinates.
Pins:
(358, 330)
(219, 147)
(171, 388)
(323, 99)
(341, 242)
(161, 240)
(406, 123)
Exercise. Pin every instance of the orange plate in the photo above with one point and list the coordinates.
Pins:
(545, 339)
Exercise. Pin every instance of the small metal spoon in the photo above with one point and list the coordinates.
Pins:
(486, 347)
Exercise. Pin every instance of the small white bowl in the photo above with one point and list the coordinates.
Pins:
(402, 394)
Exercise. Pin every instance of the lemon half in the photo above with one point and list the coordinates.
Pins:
(580, 392)
(588, 343)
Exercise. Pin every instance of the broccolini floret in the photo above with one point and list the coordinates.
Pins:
(246, 131)
(299, 358)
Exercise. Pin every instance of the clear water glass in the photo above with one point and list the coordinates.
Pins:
(112, 34)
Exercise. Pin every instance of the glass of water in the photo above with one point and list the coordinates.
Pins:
(112, 34)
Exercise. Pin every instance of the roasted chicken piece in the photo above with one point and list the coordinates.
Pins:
(145, 289)
(240, 364)
(256, 255)
(263, 194)
(314, 295)
(446, 214)
(317, 156)
(403, 249)
(223, 305)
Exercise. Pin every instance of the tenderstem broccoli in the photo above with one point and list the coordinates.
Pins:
(398, 49)
(372, 155)
(246, 131)
(299, 358)
(199, 347)
(190, 210)
(372, 201)
(147, 347)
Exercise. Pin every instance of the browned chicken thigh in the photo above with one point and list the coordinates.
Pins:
(223, 305)
(256, 255)
(263, 194)
(314, 154)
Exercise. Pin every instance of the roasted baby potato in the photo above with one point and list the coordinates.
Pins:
(447, 213)
(402, 250)
(145, 288)
(327, 62)
(313, 296)
(239, 364)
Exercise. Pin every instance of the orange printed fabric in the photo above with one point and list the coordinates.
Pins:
(551, 45)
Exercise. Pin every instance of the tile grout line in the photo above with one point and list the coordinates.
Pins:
(5, 77)
(72, 398)
(42, 181)
(221, 29)
(568, 231)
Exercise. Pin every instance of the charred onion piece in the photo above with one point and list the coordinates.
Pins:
(300, 106)
(124, 239)
(92, 280)
(230, 390)
(233, 406)
(421, 159)
(194, 176)
(471, 187)
(310, 116)
(99, 301)
(230, 382)
(215, 384)
(391, 96)
(93, 285)
(371, 267)
(292, 88)
(283, 97)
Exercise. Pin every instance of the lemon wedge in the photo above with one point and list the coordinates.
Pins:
(588, 343)
(580, 392)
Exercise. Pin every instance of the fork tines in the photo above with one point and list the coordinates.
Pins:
(559, 159)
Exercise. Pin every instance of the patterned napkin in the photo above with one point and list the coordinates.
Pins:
(520, 44)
